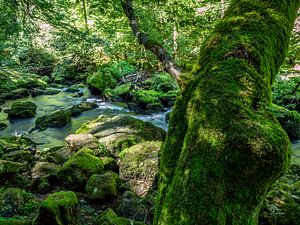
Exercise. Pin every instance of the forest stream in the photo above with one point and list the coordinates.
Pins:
(47, 104)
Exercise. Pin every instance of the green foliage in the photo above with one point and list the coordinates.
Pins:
(286, 93)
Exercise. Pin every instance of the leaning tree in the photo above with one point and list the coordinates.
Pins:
(224, 147)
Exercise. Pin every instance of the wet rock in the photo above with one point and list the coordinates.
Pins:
(131, 208)
(15, 94)
(119, 132)
(76, 110)
(3, 126)
(21, 110)
(139, 165)
(51, 91)
(78, 141)
(101, 187)
(71, 90)
(57, 119)
(76, 171)
(58, 209)
(9, 144)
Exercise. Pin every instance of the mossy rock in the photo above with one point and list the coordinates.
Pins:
(110, 164)
(13, 143)
(58, 209)
(78, 141)
(76, 110)
(76, 171)
(21, 156)
(139, 165)
(12, 201)
(131, 207)
(15, 94)
(57, 155)
(3, 126)
(122, 91)
(21, 110)
(13, 79)
(289, 120)
(44, 176)
(57, 119)
(109, 217)
(101, 187)
(9, 167)
(145, 97)
(119, 132)
(101, 80)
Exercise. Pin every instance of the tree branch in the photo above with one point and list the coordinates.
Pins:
(163, 56)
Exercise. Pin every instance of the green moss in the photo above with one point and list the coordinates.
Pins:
(22, 110)
(7, 167)
(224, 147)
(58, 209)
(109, 217)
(101, 187)
(76, 171)
(146, 97)
(57, 119)
(101, 80)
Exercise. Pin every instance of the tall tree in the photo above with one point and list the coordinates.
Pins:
(224, 147)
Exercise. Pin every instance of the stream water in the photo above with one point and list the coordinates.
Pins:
(47, 104)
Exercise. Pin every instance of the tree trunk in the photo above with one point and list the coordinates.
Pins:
(224, 147)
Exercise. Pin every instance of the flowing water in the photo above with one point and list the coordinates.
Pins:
(51, 137)
(47, 104)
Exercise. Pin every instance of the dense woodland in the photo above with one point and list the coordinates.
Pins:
(170, 112)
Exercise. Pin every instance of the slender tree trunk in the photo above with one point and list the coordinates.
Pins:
(85, 15)
(222, 8)
(224, 147)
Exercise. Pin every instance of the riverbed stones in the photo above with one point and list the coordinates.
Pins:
(139, 165)
(57, 119)
(76, 110)
(20, 110)
(59, 208)
(9, 167)
(119, 132)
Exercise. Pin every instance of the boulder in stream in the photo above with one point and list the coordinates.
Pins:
(117, 133)
(57, 119)
(20, 110)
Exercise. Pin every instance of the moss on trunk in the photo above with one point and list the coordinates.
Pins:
(224, 147)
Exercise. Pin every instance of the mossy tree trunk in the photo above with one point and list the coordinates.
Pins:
(224, 147)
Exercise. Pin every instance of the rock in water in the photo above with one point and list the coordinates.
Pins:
(57, 119)
(117, 133)
(20, 110)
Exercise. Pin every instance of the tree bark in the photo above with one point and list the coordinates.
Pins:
(163, 56)
(224, 147)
